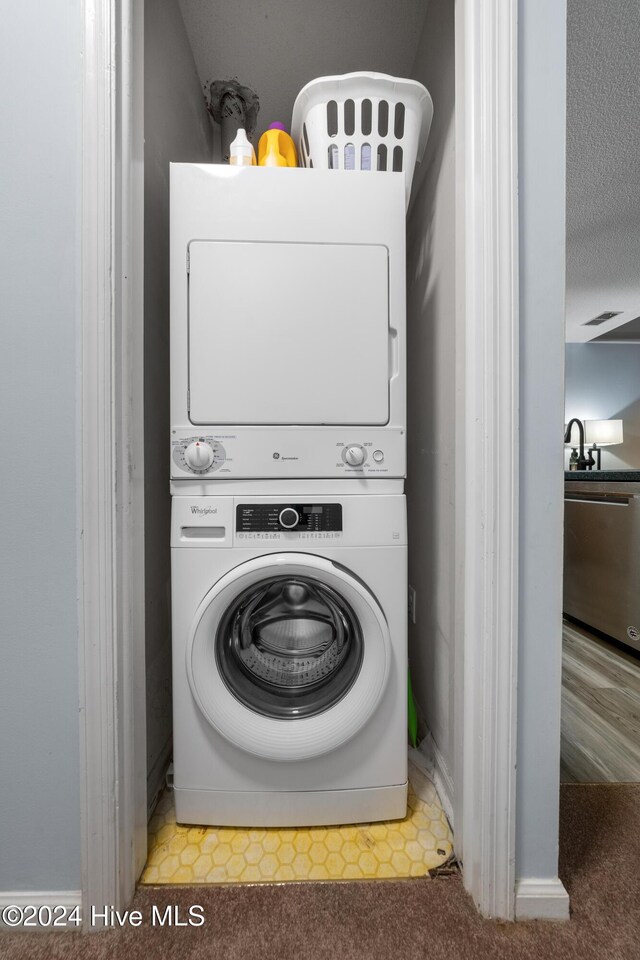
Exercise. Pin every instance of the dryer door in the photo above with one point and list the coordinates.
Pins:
(283, 333)
(288, 656)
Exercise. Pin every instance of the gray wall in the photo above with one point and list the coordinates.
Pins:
(431, 388)
(177, 128)
(39, 292)
(541, 155)
(603, 383)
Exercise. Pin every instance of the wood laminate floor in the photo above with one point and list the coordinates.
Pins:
(600, 710)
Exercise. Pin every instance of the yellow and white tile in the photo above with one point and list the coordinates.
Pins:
(399, 848)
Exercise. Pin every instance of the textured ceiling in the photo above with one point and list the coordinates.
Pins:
(603, 164)
(277, 46)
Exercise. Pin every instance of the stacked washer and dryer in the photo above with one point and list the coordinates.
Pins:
(289, 537)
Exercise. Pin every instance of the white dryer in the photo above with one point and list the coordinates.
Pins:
(287, 324)
(289, 658)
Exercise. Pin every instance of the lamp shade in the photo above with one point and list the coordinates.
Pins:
(603, 432)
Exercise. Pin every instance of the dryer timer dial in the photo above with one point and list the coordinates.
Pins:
(354, 455)
(199, 455)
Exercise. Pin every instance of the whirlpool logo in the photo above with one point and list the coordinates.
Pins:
(203, 511)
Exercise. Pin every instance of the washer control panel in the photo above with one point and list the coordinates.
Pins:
(198, 455)
(301, 517)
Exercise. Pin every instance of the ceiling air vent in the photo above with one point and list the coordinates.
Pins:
(601, 318)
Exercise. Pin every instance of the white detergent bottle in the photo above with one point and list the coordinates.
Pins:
(241, 153)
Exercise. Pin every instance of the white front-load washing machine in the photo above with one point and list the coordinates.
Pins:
(289, 658)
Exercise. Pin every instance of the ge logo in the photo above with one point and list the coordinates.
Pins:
(276, 456)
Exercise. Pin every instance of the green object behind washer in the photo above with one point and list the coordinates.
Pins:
(412, 714)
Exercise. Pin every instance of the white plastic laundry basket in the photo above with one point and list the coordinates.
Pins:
(362, 121)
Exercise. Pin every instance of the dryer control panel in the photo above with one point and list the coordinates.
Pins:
(301, 517)
(236, 453)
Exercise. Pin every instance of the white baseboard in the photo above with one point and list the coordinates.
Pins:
(544, 899)
(429, 759)
(45, 910)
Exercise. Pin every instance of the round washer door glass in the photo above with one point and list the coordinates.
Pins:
(289, 646)
(288, 656)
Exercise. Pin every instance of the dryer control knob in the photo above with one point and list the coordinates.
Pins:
(354, 455)
(199, 455)
(288, 518)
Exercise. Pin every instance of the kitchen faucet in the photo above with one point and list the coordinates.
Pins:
(584, 463)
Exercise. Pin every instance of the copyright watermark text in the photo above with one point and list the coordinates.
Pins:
(60, 916)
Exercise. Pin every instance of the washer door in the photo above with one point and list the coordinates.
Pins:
(288, 656)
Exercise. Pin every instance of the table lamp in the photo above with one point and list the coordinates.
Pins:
(602, 433)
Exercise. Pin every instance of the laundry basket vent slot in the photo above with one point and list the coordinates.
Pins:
(349, 118)
(332, 118)
(366, 114)
(382, 157)
(349, 157)
(383, 118)
(397, 159)
(398, 126)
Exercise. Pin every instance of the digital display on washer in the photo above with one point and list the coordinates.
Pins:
(307, 517)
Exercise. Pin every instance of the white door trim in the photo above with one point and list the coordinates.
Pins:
(111, 564)
(486, 145)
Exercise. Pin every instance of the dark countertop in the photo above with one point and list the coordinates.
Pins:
(604, 476)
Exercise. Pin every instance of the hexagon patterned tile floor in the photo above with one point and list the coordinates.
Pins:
(400, 848)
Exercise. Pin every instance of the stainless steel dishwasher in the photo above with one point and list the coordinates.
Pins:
(602, 557)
